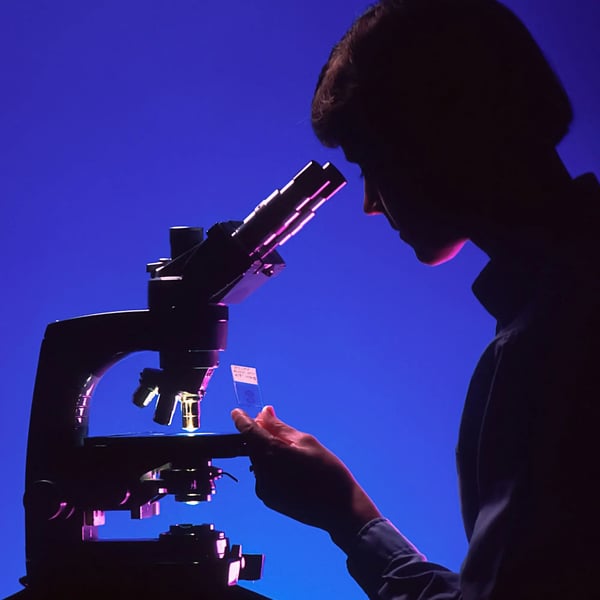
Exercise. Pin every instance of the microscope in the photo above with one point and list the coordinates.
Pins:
(73, 480)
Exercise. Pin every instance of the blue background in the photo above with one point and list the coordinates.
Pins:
(120, 119)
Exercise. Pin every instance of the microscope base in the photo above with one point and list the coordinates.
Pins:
(149, 590)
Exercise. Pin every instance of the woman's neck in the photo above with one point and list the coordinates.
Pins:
(532, 208)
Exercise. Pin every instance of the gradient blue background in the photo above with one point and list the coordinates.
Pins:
(120, 119)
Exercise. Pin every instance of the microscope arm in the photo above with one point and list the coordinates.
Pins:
(75, 353)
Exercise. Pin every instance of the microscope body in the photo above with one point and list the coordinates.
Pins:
(73, 480)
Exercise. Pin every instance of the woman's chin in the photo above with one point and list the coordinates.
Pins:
(438, 255)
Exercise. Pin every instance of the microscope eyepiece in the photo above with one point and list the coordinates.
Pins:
(286, 211)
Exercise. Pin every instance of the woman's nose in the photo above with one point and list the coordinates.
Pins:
(372, 202)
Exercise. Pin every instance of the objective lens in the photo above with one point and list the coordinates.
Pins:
(165, 407)
(144, 395)
(190, 411)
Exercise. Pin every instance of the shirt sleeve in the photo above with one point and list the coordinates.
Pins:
(388, 567)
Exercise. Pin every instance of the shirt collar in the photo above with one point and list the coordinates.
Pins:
(505, 286)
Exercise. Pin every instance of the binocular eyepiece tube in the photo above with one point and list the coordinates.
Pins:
(280, 216)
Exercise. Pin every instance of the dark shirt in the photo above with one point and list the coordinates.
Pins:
(528, 454)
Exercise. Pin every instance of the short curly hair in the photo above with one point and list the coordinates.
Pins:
(439, 59)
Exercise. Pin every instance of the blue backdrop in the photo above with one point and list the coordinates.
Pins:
(120, 119)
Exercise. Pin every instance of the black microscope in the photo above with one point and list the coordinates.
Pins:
(72, 480)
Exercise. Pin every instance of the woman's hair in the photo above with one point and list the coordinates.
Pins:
(439, 63)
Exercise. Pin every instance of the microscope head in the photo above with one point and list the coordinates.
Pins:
(190, 291)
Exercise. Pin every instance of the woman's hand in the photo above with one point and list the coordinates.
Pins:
(298, 477)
